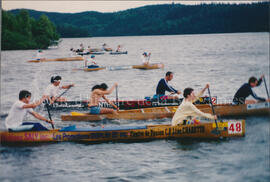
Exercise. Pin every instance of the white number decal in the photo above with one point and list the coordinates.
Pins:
(234, 127)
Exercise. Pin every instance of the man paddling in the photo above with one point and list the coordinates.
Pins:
(98, 92)
(163, 86)
(246, 90)
(145, 58)
(188, 110)
(92, 64)
(52, 91)
(14, 121)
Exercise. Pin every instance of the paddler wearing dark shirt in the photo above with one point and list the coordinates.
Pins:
(246, 90)
(163, 86)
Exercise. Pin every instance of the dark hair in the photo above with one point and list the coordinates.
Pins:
(252, 80)
(101, 86)
(187, 92)
(24, 94)
(169, 73)
(54, 78)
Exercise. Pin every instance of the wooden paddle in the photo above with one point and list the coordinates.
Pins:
(213, 110)
(116, 93)
(266, 87)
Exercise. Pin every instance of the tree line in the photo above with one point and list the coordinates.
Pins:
(166, 19)
(21, 31)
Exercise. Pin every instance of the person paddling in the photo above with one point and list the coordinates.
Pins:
(163, 86)
(92, 64)
(145, 58)
(188, 110)
(14, 121)
(246, 90)
(98, 92)
(52, 91)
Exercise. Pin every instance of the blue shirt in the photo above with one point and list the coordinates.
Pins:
(163, 86)
(244, 91)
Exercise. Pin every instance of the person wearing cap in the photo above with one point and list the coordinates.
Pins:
(52, 91)
(92, 64)
(145, 58)
(163, 86)
(39, 55)
(14, 121)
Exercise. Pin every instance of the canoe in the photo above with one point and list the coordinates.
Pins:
(125, 104)
(58, 59)
(94, 69)
(87, 53)
(116, 53)
(150, 66)
(226, 129)
(223, 110)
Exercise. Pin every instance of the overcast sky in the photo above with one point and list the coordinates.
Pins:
(79, 6)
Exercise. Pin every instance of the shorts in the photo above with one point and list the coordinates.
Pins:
(94, 110)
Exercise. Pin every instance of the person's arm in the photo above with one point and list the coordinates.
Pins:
(260, 81)
(200, 113)
(38, 116)
(109, 102)
(168, 88)
(35, 104)
(107, 92)
(256, 97)
(67, 86)
(201, 93)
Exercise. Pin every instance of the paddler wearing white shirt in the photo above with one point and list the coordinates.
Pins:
(14, 121)
(52, 91)
(187, 109)
(145, 58)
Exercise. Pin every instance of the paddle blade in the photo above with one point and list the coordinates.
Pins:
(77, 114)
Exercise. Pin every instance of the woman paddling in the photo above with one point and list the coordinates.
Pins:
(99, 91)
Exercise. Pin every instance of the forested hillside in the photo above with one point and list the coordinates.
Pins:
(22, 32)
(163, 20)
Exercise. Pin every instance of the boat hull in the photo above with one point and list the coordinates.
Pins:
(223, 110)
(94, 69)
(121, 133)
(116, 53)
(148, 67)
(58, 59)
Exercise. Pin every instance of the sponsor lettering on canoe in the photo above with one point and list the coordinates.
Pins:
(258, 105)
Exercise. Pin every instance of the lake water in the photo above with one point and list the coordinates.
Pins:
(226, 61)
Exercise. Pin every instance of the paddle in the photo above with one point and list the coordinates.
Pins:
(266, 87)
(116, 93)
(213, 110)
(48, 109)
(62, 93)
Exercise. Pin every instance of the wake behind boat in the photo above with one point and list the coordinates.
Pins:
(228, 129)
(79, 58)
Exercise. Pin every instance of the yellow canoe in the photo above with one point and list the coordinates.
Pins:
(228, 129)
(149, 66)
(223, 110)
